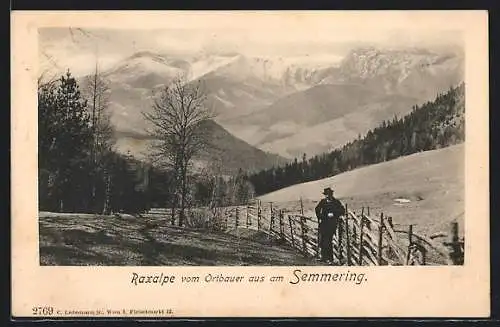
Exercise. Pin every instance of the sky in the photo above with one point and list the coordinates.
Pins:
(77, 49)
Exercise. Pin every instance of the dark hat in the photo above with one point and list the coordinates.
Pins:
(327, 191)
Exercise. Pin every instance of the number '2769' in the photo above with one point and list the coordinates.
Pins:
(42, 311)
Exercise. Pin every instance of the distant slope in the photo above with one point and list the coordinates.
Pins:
(235, 153)
(314, 105)
(227, 149)
(433, 125)
(324, 115)
(433, 181)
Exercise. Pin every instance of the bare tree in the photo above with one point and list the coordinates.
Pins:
(97, 92)
(177, 118)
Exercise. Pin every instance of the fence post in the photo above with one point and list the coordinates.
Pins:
(424, 256)
(354, 237)
(410, 240)
(339, 241)
(283, 223)
(304, 235)
(380, 239)
(347, 238)
(271, 222)
(318, 243)
(301, 207)
(259, 217)
(361, 232)
(456, 254)
(290, 222)
(248, 216)
(237, 217)
(282, 229)
(348, 241)
(225, 220)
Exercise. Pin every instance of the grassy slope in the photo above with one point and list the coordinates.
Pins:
(433, 181)
(84, 239)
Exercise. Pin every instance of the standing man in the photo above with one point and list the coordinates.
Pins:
(328, 212)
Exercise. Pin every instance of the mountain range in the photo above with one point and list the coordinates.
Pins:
(369, 85)
(286, 106)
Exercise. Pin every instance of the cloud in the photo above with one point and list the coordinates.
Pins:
(77, 48)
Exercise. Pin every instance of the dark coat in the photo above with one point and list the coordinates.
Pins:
(324, 207)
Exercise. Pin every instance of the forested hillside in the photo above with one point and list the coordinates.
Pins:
(433, 125)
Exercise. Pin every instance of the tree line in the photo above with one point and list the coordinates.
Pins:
(80, 171)
(432, 125)
(207, 188)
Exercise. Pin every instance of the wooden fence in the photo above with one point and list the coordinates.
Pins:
(360, 238)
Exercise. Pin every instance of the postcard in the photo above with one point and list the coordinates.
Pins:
(171, 164)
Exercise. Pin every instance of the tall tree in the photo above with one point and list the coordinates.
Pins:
(177, 119)
(64, 138)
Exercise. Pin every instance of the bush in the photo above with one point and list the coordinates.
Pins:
(197, 217)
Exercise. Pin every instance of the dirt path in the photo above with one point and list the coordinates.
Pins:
(82, 239)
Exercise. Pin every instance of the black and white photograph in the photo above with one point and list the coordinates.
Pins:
(237, 147)
(197, 164)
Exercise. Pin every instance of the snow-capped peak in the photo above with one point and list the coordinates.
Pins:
(270, 69)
